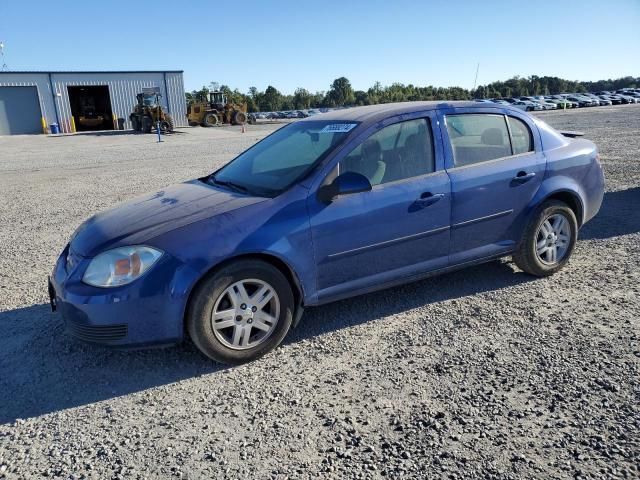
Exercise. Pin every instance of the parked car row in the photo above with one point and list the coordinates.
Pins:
(569, 100)
(527, 103)
(281, 115)
(291, 114)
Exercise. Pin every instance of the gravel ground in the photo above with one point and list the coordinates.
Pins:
(483, 373)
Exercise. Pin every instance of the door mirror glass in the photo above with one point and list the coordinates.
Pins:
(346, 184)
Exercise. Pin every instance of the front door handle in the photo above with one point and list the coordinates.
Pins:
(428, 198)
(523, 177)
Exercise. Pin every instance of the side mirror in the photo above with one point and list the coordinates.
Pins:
(345, 184)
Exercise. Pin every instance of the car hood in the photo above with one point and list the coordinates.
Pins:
(139, 220)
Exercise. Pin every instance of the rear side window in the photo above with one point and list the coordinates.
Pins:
(477, 138)
(521, 139)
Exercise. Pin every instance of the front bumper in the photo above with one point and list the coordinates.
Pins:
(149, 310)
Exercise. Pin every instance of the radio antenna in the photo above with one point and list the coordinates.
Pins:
(4, 64)
(475, 81)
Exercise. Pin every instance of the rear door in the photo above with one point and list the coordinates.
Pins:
(495, 161)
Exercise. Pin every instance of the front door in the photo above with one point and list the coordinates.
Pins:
(400, 227)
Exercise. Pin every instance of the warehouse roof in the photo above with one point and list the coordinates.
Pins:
(92, 71)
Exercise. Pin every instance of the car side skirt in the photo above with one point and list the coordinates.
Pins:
(411, 278)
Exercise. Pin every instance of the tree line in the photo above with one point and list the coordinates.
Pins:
(341, 93)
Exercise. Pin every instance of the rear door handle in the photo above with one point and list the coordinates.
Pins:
(523, 177)
(428, 198)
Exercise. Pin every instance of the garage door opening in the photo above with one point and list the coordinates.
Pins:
(91, 108)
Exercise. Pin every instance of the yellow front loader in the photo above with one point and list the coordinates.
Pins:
(217, 111)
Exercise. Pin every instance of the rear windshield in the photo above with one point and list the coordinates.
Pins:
(278, 161)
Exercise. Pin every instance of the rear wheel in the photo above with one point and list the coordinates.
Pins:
(167, 124)
(135, 124)
(211, 120)
(548, 240)
(240, 312)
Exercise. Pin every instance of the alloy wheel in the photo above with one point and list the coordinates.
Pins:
(245, 314)
(553, 239)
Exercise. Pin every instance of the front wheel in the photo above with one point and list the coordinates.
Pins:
(548, 241)
(240, 312)
(211, 120)
(166, 125)
(239, 118)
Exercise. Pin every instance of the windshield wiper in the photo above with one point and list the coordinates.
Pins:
(225, 183)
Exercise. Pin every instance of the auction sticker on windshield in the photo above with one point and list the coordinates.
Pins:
(338, 128)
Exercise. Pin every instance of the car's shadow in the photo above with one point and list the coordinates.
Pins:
(115, 133)
(42, 370)
(618, 215)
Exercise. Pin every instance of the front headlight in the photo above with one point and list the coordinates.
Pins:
(120, 266)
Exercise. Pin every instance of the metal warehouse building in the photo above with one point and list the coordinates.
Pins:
(31, 101)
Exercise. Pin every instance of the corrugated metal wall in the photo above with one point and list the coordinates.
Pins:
(123, 87)
(39, 80)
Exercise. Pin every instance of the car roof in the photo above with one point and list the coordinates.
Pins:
(374, 113)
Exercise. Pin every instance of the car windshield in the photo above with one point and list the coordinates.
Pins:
(275, 163)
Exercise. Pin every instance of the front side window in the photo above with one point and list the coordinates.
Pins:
(275, 163)
(521, 139)
(396, 152)
(477, 138)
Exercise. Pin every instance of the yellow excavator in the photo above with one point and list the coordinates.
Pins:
(217, 111)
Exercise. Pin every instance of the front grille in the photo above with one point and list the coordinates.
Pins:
(97, 333)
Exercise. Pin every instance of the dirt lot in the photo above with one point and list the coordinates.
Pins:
(483, 373)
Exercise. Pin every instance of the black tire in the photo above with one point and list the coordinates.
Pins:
(526, 256)
(147, 124)
(213, 287)
(210, 120)
(239, 118)
(135, 124)
(167, 124)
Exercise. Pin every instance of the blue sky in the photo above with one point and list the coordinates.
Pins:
(291, 44)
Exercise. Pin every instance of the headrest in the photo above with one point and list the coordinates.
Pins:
(492, 136)
(371, 147)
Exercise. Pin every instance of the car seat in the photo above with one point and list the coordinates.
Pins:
(492, 136)
(413, 161)
(371, 164)
(491, 146)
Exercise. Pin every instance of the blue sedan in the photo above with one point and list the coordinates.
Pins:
(332, 206)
